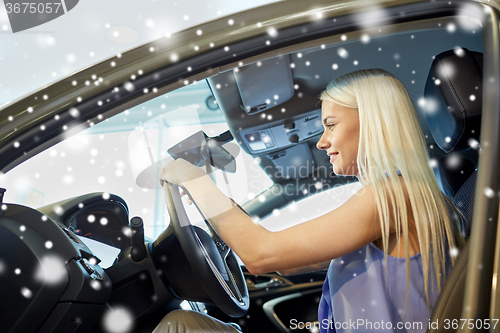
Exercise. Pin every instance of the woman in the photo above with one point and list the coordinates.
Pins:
(388, 244)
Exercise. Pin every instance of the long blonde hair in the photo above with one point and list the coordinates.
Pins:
(391, 140)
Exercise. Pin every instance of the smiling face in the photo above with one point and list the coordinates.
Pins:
(340, 137)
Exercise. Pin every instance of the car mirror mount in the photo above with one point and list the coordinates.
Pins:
(198, 149)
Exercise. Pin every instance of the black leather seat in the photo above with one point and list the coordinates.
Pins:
(453, 111)
(452, 172)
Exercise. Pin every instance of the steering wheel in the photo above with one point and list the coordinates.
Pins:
(213, 262)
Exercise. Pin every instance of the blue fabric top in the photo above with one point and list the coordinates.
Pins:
(357, 297)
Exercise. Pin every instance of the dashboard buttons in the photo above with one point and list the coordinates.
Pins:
(89, 269)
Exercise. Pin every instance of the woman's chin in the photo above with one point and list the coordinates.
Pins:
(340, 171)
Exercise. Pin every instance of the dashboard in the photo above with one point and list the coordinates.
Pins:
(56, 274)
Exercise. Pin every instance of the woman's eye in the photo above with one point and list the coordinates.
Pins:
(330, 126)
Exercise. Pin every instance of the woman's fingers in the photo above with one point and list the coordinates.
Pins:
(189, 201)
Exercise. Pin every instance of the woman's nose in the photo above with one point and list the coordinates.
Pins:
(322, 143)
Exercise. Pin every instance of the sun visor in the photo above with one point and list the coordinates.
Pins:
(295, 162)
(265, 84)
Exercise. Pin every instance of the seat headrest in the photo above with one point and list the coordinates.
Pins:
(453, 98)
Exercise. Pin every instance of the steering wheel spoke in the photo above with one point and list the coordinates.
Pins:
(233, 285)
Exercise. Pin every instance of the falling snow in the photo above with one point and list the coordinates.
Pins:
(26, 292)
(51, 270)
(489, 192)
(118, 320)
(342, 52)
(129, 86)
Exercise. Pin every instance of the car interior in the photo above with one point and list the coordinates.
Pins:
(261, 111)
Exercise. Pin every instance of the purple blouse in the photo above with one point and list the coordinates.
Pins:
(357, 297)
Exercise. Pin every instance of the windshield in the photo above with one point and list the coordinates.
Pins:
(110, 156)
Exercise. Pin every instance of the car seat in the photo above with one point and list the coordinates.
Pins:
(453, 95)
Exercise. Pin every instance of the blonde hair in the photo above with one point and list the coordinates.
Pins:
(391, 139)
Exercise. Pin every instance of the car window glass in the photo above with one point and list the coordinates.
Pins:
(309, 208)
(109, 156)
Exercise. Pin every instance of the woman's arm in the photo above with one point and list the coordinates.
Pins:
(305, 269)
(334, 234)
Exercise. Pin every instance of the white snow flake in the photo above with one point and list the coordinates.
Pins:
(26, 292)
(459, 51)
(272, 32)
(433, 163)
(473, 143)
(118, 320)
(489, 192)
(149, 23)
(58, 210)
(421, 102)
(342, 52)
(128, 86)
(51, 270)
(96, 285)
(127, 231)
(74, 112)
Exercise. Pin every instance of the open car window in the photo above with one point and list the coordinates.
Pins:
(110, 156)
(309, 208)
